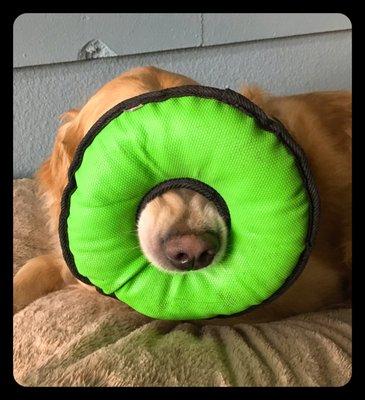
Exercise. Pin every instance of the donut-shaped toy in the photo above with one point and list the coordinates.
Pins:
(219, 144)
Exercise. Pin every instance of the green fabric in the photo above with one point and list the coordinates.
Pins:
(219, 145)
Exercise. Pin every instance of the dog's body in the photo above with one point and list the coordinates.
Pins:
(320, 123)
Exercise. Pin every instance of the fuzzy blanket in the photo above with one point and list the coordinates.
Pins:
(75, 337)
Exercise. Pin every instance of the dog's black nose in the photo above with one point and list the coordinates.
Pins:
(191, 251)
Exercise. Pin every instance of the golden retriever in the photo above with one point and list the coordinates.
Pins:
(194, 233)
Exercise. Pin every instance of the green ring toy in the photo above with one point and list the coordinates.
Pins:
(213, 141)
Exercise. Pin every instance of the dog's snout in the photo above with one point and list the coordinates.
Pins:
(191, 251)
(182, 230)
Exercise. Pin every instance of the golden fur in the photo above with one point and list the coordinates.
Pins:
(320, 122)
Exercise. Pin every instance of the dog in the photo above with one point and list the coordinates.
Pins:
(194, 234)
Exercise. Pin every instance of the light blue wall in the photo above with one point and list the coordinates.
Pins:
(284, 65)
(52, 38)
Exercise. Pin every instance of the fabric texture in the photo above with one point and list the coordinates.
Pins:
(76, 337)
(214, 142)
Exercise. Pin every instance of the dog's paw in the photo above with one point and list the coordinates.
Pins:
(38, 277)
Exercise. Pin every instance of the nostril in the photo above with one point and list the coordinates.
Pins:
(177, 255)
(181, 257)
(205, 258)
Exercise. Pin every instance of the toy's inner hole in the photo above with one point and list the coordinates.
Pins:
(182, 230)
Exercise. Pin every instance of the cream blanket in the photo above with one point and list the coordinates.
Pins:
(74, 337)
